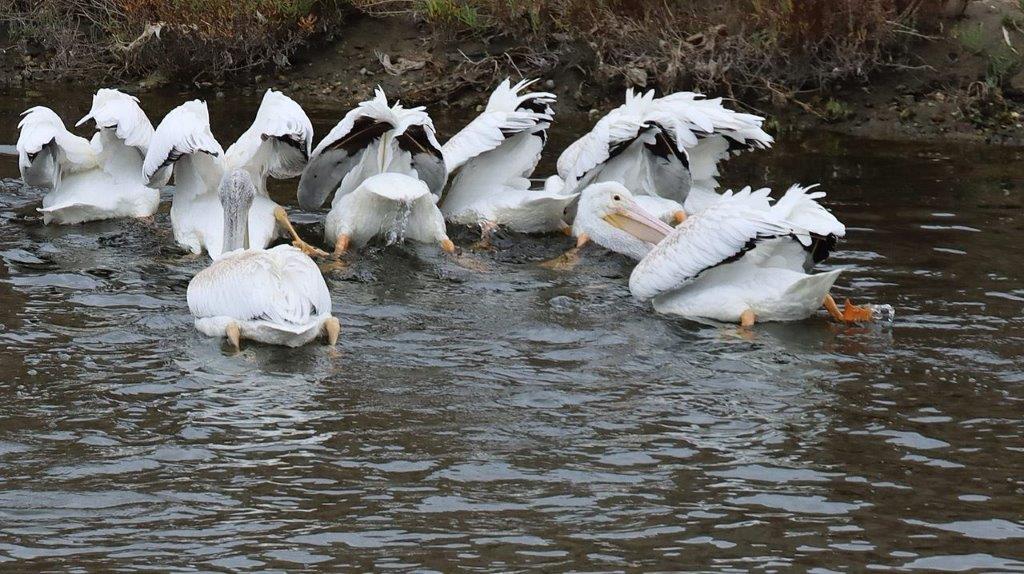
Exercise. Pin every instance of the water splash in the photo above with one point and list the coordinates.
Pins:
(882, 313)
(397, 232)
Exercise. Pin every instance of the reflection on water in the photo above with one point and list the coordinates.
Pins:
(516, 417)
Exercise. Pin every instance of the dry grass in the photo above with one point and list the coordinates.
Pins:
(770, 46)
(190, 38)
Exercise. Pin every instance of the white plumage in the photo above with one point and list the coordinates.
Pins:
(800, 207)
(718, 234)
(89, 180)
(119, 112)
(278, 142)
(509, 112)
(392, 206)
(386, 170)
(661, 146)
(275, 296)
(276, 145)
(712, 266)
(492, 160)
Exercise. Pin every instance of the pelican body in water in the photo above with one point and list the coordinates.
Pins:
(665, 151)
(276, 145)
(491, 161)
(275, 296)
(90, 180)
(738, 260)
(386, 170)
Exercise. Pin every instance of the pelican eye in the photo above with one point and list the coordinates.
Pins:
(616, 198)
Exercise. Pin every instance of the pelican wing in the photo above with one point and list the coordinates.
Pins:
(817, 230)
(485, 179)
(280, 285)
(678, 122)
(508, 113)
(707, 117)
(800, 207)
(361, 128)
(119, 112)
(185, 131)
(46, 149)
(278, 142)
(614, 130)
(720, 234)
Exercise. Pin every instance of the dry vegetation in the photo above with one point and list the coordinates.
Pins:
(776, 47)
(197, 38)
(768, 46)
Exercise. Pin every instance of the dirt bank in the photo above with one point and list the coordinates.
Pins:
(961, 81)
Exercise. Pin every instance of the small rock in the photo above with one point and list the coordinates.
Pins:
(220, 95)
(549, 84)
(364, 71)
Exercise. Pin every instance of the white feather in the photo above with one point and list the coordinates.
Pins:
(264, 148)
(500, 120)
(88, 180)
(184, 131)
(39, 127)
(720, 232)
(398, 116)
(799, 206)
(276, 295)
(686, 117)
(120, 112)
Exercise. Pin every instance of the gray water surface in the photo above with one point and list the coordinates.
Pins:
(513, 417)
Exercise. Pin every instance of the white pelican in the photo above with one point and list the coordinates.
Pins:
(662, 147)
(90, 180)
(277, 144)
(738, 260)
(275, 296)
(492, 159)
(384, 165)
(610, 216)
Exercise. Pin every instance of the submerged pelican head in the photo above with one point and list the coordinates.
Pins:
(237, 193)
(610, 216)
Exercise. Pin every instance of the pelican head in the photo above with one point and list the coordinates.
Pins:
(237, 192)
(610, 216)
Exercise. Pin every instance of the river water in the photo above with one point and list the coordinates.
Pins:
(509, 417)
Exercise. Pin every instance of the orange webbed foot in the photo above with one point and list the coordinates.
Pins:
(857, 314)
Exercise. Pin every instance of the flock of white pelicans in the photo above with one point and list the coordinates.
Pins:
(641, 183)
